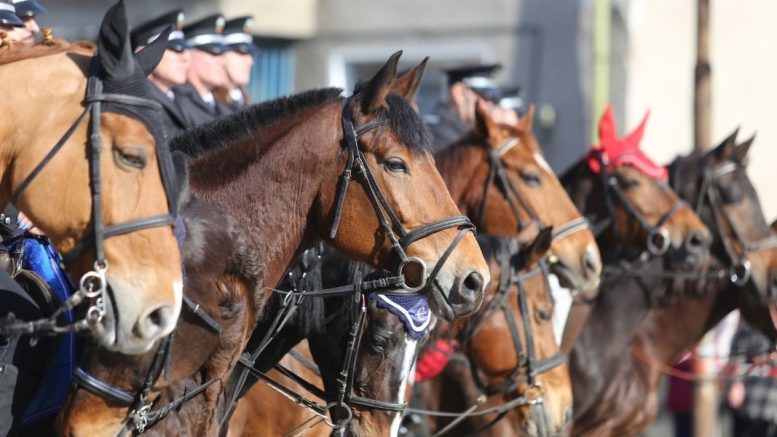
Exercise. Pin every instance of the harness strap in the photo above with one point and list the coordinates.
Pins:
(90, 383)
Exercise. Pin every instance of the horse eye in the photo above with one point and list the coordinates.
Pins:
(379, 343)
(396, 165)
(531, 178)
(132, 158)
(628, 183)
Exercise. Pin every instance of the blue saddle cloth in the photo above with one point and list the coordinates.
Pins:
(40, 257)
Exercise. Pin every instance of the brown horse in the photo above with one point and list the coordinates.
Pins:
(275, 167)
(50, 175)
(509, 365)
(641, 225)
(508, 188)
(724, 197)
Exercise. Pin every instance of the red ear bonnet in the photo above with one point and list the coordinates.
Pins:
(614, 151)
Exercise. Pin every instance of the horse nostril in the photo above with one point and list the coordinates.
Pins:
(473, 283)
(154, 322)
(696, 242)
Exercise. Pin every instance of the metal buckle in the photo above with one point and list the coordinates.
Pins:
(658, 241)
(400, 272)
(341, 423)
(139, 417)
(741, 272)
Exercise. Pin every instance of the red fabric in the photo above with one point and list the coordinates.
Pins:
(433, 360)
(680, 396)
(615, 151)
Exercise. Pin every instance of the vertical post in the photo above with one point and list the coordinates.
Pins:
(702, 99)
(600, 90)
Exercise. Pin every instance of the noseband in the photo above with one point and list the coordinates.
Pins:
(658, 240)
(402, 238)
(93, 285)
(740, 270)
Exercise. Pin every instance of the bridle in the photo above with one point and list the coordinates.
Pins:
(658, 240)
(740, 270)
(141, 416)
(400, 239)
(497, 176)
(93, 285)
(529, 366)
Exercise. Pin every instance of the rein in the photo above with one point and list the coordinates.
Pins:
(141, 417)
(93, 285)
(528, 364)
(400, 238)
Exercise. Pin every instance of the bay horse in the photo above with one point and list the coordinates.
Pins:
(283, 156)
(507, 376)
(102, 191)
(643, 229)
(523, 205)
(744, 253)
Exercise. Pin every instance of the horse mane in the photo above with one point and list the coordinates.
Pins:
(223, 132)
(13, 52)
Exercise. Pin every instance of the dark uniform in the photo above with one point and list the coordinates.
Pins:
(205, 34)
(28, 8)
(238, 37)
(443, 123)
(172, 117)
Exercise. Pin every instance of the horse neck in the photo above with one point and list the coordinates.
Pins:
(273, 198)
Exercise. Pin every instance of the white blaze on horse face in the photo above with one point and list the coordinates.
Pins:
(408, 364)
(541, 161)
(562, 303)
(178, 295)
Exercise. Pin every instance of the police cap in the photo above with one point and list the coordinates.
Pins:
(207, 34)
(237, 34)
(145, 33)
(28, 8)
(478, 78)
(8, 15)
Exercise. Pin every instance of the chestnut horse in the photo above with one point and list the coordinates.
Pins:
(514, 153)
(275, 167)
(102, 191)
(508, 378)
(744, 258)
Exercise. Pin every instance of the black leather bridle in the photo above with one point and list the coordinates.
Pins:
(740, 269)
(497, 176)
(93, 285)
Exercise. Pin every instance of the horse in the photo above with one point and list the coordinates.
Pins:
(511, 198)
(507, 376)
(743, 267)
(643, 229)
(254, 162)
(113, 221)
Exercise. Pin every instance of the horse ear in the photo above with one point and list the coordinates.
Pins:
(380, 86)
(634, 138)
(526, 123)
(725, 150)
(113, 43)
(607, 129)
(743, 148)
(537, 249)
(407, 84)
(150, 55)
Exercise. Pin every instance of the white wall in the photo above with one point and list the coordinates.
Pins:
(660, 66)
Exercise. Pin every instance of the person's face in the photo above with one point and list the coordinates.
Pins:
(208, 69)
(18, 34)
(31, 24)
(173, 68)
(464, 100)
(238, 67)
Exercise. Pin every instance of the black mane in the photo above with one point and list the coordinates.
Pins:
(224, 131)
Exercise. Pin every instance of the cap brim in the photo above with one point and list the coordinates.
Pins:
(178, 45)
(490, 94)
(244, 48)
(29, 8)
(8, 18)
(212, 48)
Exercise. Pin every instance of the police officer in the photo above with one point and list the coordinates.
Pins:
(238, 60)
(12, 25)
(467, 86)
(206, 71)
(171, 71)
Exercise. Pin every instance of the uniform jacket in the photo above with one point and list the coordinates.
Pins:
(172, 117)
(445, 127)
(194, 108)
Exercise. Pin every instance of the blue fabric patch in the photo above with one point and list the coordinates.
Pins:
(40, 257)
(412, 310)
